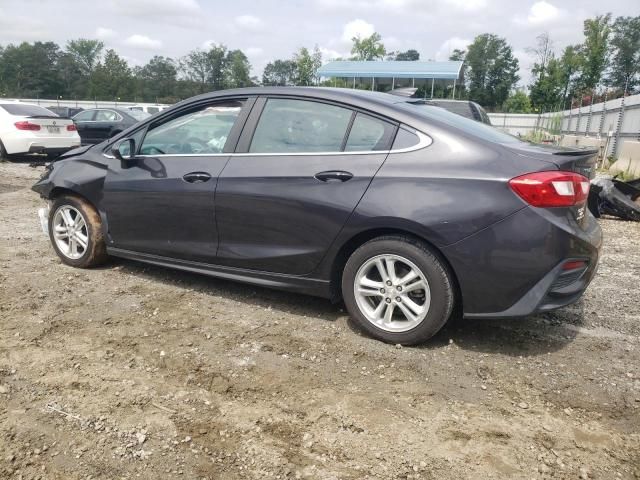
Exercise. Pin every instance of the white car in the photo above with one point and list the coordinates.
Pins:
(150, 109)
(27, 128)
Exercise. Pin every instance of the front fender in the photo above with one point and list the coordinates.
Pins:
(84, 177)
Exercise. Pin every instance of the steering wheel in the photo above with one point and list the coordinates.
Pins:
(151, 148)
(189, 143)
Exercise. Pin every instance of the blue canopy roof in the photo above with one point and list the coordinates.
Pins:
(391, 69)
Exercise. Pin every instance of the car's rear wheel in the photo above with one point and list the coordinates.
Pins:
(397, 290)
(75, 230)
(3, 153)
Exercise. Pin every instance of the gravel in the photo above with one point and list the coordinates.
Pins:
(132, 371)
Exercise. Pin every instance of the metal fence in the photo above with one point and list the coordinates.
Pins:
(80, 103)
(618, 119)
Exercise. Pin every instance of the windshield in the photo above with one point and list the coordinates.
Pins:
(20, 109)
(139, 115)
(472, 127)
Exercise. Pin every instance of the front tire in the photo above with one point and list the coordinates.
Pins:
(397, 290)
(75, 231)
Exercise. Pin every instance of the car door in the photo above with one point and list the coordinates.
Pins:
(162, 202)
(293, 182)
(104, 123)
(82, 121)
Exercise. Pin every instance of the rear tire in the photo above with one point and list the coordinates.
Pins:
(397, 290)
(75, 231)
(3, 153)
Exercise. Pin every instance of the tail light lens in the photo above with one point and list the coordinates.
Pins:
(71, 128)
(551, 189)
(26, 125)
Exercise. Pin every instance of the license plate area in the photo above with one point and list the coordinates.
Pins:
(52, 129)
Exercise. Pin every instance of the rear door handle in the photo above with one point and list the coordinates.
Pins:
(333, 175)
(196, 177)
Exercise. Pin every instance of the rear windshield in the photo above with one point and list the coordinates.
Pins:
(26, 110)
(471, 127)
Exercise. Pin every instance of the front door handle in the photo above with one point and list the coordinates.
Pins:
(196, 177)
(334, 175)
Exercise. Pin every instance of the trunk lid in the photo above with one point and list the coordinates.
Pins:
(50, 125)
(581, 161)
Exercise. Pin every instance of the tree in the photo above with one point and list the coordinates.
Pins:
(86, 53)
(410, 55)
(543, 52)
(492, 70)
(625, 61)
(368, 48)
(206, 68)
(112, 78)
(458, 55)
(570, 64)
(29, 70)
(595, 51)
(279, 72)
(157, 80)
(306, 66)
(517, 102)
(237, 70)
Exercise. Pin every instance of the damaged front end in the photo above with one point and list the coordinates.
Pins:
(610, 196)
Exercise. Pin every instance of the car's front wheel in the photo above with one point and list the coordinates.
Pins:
(397, 290)
(75, 230)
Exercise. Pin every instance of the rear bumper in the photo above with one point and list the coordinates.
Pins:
(514, 268)
(33, 144)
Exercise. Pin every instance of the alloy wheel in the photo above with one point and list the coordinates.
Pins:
(392, 293)
(70, 232)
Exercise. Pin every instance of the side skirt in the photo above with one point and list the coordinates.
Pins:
(309, 286)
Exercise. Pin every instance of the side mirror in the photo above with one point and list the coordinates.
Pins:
(124, 149)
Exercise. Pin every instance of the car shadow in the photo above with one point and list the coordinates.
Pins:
(530, 336)
(257, 296)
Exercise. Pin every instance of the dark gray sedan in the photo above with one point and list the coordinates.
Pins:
(406, 212)
(98, 124)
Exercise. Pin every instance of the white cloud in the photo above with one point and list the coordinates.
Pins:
(249, 22)
(157, 8)
(329, 54)
(105, 33)
(542, 12)
(357, 28)
(465, 5)
(207, 44)
(143, 42)
(450, 45)
(254, 51)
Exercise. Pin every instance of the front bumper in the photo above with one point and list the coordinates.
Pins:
(43, 215)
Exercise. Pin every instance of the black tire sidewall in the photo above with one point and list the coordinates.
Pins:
(437, 275)
(75, 202)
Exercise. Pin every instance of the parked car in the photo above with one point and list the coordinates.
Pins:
(466, 108)
(150, 109)
(408, 213)
(98, 124)
(27, 128)
(65, 112)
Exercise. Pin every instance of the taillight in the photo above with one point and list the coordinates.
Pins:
(71, 128)
(26, 125)
(574, 265)
(551, 189)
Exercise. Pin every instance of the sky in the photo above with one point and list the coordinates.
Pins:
(271, 29)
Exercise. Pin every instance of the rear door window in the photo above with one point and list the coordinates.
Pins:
(107, 116)
(300, 126)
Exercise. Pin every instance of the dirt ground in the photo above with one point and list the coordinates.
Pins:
(131, 371)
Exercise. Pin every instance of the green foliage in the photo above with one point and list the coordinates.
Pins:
(492, 70)
(86, 54)
(368, 48)
(595, 51)
(517, 102)
(625, 61)
(410, 55)
(112, 78)
(279, 73)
